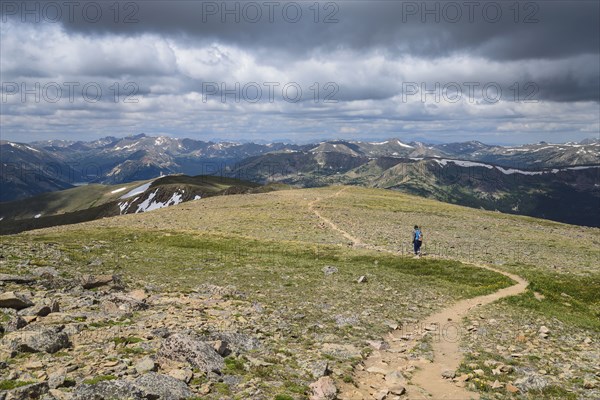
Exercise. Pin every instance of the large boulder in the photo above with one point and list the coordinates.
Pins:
(14, 300)
(323, 389)
(94, 281)
(162, 387)
(109, 390)
(17, 278)
(49, 340)
(192, 350)
(32, 391)
(120, 303)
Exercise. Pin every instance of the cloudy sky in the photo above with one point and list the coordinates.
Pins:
(496, 71)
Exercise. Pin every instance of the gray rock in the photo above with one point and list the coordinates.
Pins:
(329, 270)
(362, 279)
(119, 303)
(323, 389)
(33, 391)
(448, 374)
(222, 347)
(146, 364)
(46, 272)
(17, 278)
(319, 369)
(14, 300)
(94, 281)
(49, 340)
(40, 310)
(184, 375)
(109, 390)
(162, 387)
(236, 342)
(57, 378)
(14, 324)
(161, 332)
(531, 382)
(190, 349)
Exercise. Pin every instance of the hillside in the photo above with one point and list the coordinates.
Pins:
(90, 202)
(534, 192)
(270, 282)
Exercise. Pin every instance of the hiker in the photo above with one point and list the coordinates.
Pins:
(417, 240)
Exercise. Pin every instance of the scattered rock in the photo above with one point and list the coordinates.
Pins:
(17, 278)
(222, 348)
(146, 364)
(57, 378)
(139, 295)
(120, 303)
(14, 324)
(329, 270)
(378, 344)
(449, 374)
(530, 382)
(511, 388)
(323, 389)
(588, 384)
(49, 340)
(94, 281)
(108, 390)
(162, 387)
(40, 310)
(46, 272)
(395, 379)
(398, 390)
(496, 384)
(185, 348)
(161, 332)
(14, 300)
(362, 279)
(184, 375)
(319, 369)
(32, 391)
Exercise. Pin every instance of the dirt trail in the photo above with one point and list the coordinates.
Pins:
(381, 374)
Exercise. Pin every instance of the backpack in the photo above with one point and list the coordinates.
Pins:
(418, 235)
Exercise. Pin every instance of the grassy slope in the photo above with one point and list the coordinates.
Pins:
(66, 201)
(271, 247)
(545, 252)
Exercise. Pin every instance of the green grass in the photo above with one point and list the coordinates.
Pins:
(573, 299)
(99, 378)
(234, 366)
(13, 384)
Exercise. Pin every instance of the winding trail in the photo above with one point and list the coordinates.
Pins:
(381, 376)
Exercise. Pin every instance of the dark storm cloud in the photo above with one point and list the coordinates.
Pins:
(498, 30)
(371, 50)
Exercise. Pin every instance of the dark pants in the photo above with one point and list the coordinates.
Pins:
(417, 244)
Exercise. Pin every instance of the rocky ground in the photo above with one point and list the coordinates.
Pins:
(70, 335)
(529, 354)
(284, 327)
(93, 338)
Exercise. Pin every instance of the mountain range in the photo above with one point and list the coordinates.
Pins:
(553, 181)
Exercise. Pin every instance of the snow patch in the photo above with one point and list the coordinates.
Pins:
(404, 144)
(136, 191)
(118, 190)
(37, 215)
(149, 205)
